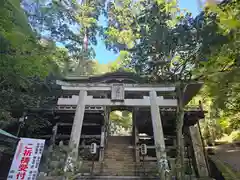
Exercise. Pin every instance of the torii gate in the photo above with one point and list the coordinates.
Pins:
(117, 99)
(117, 93)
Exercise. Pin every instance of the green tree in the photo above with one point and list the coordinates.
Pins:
(164, 49)
(219, 35)
(25, 60)
(68, 23)
(120, 120)
(122, 62)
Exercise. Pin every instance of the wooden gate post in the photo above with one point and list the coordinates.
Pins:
(198, 151)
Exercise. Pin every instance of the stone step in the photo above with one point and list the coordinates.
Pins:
(110, 163)
(86, 177)
(117, 178)
(121, 170)
(118, 161)
(119, 139)
(127, 178)
(110, 156)
(118, 157)
(119, 167)
(124, 151)
(119, 149)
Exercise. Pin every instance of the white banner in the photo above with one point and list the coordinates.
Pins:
(26, 159)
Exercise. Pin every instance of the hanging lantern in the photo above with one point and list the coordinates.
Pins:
(93, 148)
(143, 149)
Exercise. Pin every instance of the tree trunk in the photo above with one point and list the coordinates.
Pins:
(179, 162)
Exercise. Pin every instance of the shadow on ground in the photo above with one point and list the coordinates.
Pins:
(214, 171)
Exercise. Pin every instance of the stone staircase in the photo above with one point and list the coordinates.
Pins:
(115, 178)
(118, 158)
(119, 163)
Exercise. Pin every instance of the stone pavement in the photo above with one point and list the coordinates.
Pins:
(230, 155)
(227, 159)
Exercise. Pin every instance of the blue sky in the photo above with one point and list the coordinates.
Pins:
(104, 56)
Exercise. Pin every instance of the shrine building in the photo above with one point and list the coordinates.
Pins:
(80, 117)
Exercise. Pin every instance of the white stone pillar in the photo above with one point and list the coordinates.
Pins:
(54, 130)
(77, 124)
(158, 134)
(102, 143)
(135, 135)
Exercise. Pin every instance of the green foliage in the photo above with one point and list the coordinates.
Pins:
(121, 21)
(24, 62)
(67, 23)
(123, 119)
(121, 122)
(99, 68)
(221, 70)
(35, 126)
(122, 62)
(218, 32)
(235, 136)
(56, 163)
(155, 38)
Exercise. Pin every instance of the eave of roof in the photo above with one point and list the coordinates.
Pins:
(106, 76)
(191, 90)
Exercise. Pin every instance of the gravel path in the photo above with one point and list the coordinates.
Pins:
(229, 154)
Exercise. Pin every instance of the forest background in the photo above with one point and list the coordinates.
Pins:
(154, 38)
